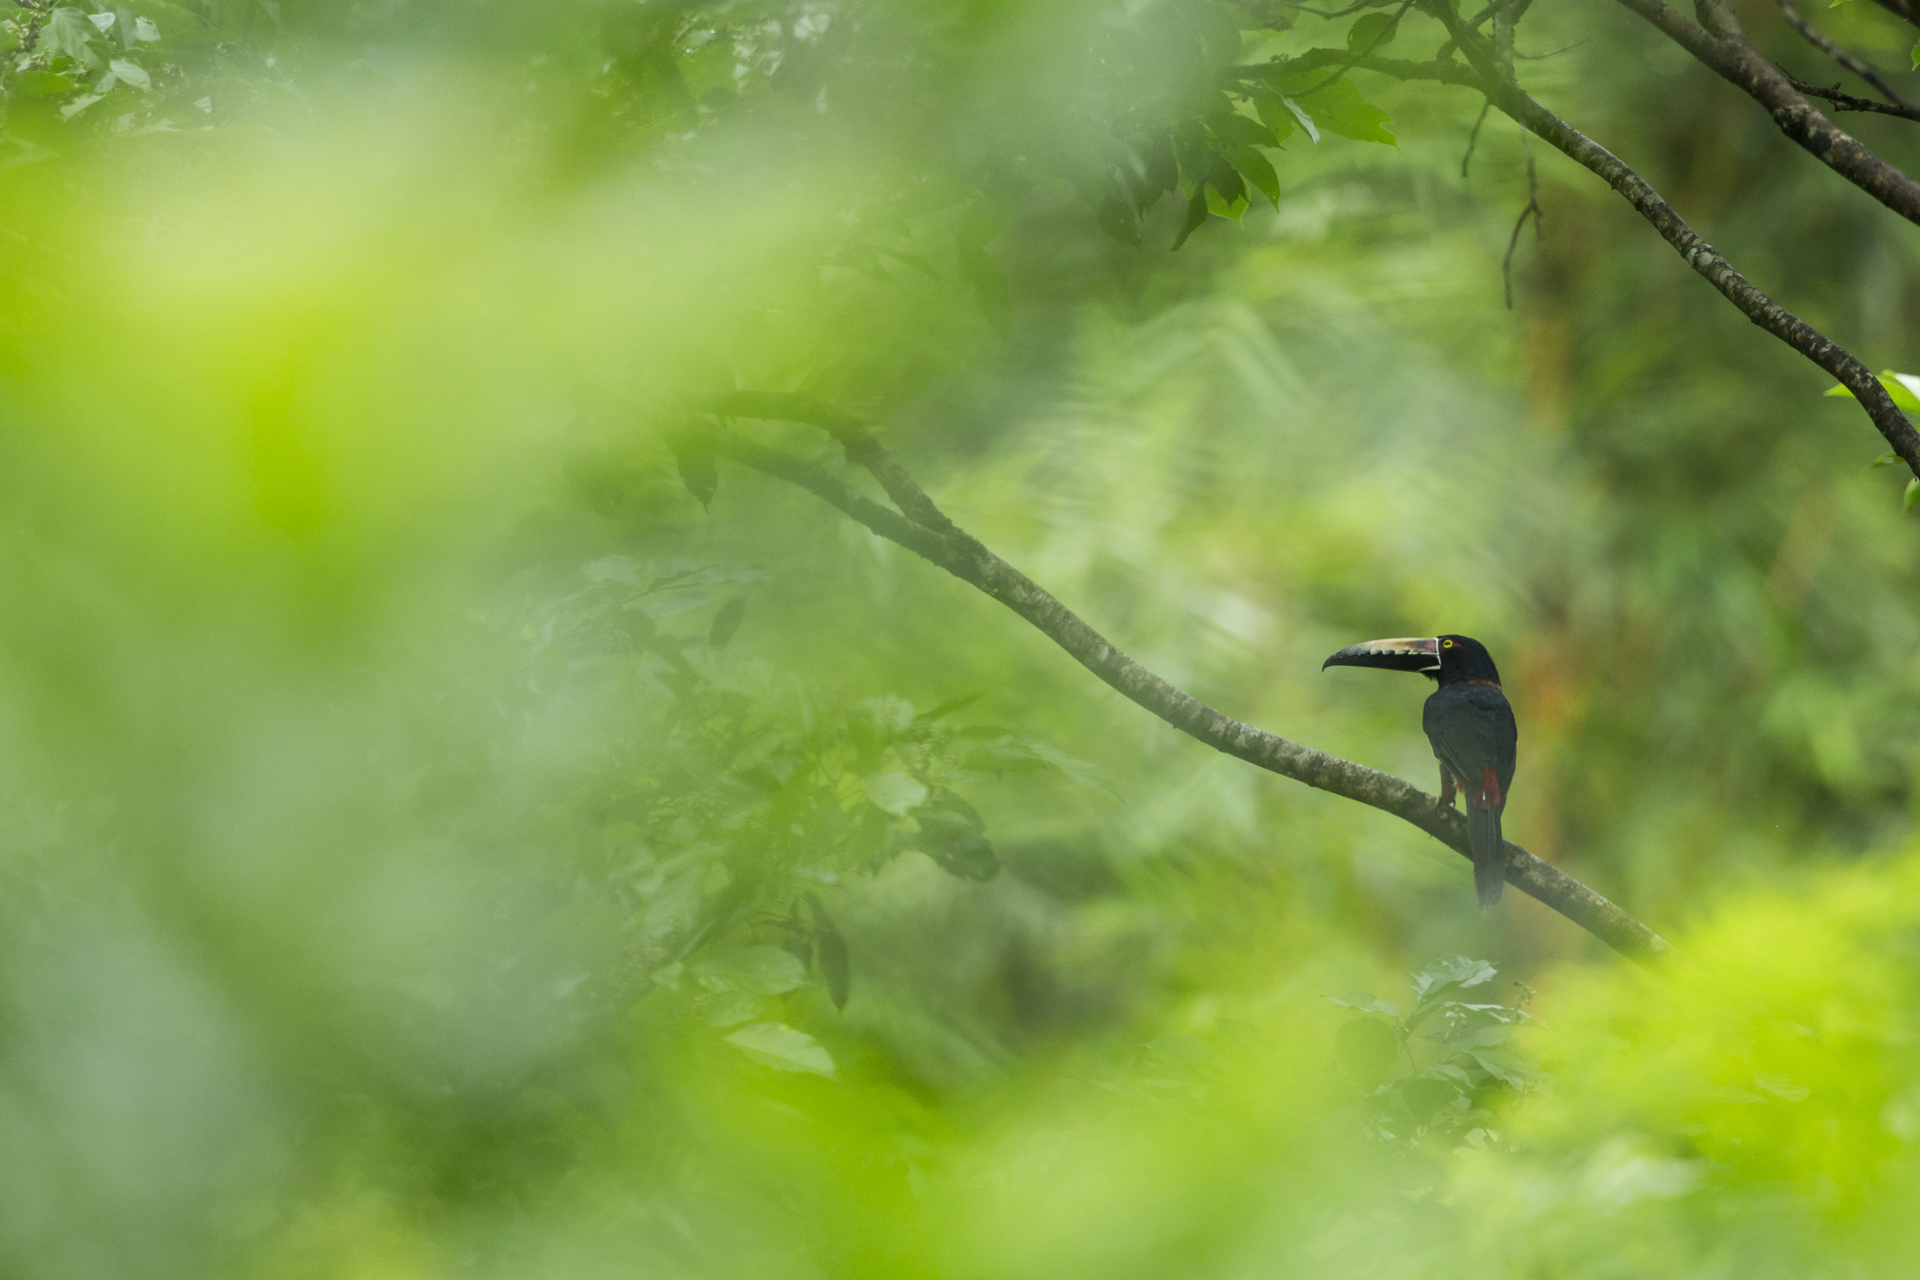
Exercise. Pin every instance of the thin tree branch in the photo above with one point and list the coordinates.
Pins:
(1722, 46)
(1839, 55)
(1854, 102)
(963, 556)
(1531, 211)
(1473, 138)
(1699, 255)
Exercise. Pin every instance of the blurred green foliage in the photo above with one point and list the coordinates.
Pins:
(446, 833)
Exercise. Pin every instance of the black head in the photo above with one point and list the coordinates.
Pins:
(1447, 659)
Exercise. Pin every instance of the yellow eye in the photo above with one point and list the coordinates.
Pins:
(1446, 644)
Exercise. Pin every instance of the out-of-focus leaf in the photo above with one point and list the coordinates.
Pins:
(1196, 215)
(1118, 220)
(1236, 130)
(1372, 32)
(1453, 971)
(615, 569)
(1366, 1049)
(894, 792)
(68, 34)
(145, 30)
(831, 952)
(695, 458)
(673, 603)
(1783, 1087)
(1912, 496)
(731, 1008)
(1423, 1095)
(762, 970)
(776, 1045)
(953, 834)
(1258, 170)
(1367, 1003)
(131, 73)
(726, 622)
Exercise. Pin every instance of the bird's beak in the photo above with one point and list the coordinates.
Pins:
(1415, 654)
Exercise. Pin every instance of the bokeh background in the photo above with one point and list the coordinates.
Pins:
(435, 843)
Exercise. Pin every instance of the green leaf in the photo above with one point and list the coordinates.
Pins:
(1904, 388)
(1423, 1095)
(1366, 1049)
(68, 34)
(615, 569)
(1915, 55)
(1912, 496)
(131, 73)
(1118, 221)
(726, 622)
(1340, 109)
(1367, 1003)
(762, 971)
(1274, 113)
(830, 948)
(1258, 170)
(1454, 971)
(953, 834)
(776, 1045)
(731, 1008)
(1236, 130)
(673, 604)
(1226, 191)
(1371, 31)
(694, 454)
(1196, 215)
(1306, 121)
(894, 792)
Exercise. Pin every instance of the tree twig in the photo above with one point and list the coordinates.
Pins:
(1473, 138)
(1854, 102)
(1531, 211)
(966, 558)
(1860, 68)
(1701, 256)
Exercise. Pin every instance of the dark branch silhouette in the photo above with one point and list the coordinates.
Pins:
(927, 532)
(1894, 105)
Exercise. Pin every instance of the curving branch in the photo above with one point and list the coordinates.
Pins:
(1724, 47)
(965, 557)
(1486, 76)
(1854, 102)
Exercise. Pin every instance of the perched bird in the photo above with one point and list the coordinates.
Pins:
(1471, 727)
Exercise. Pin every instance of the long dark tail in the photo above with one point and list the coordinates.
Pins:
(1489, 853)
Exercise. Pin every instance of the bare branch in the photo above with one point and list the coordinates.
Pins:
(1853, 102)
(1721, 45)
(1839, 55)
(963, 556)
(1531, 211)
(1701, 256)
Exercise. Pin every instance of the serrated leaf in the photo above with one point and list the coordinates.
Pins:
(1372, 31)
(894, 792)
(776, 1045)
(763, 971)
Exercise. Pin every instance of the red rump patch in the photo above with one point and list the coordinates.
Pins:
(1489, 797)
